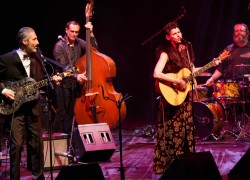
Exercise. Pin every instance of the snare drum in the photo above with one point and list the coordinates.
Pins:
(201, 93)
(226, 90)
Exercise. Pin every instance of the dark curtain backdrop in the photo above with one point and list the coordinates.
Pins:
(121, 26)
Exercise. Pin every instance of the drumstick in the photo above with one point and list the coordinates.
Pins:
(201, 85)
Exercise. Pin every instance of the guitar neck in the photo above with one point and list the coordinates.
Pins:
(204, 68)
(88, 56)
(88, 10)
(41, 83)
(44, 82)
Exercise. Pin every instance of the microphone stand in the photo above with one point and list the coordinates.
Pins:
(192, 82)
(43, 60)
(119, 103)
(157, 33)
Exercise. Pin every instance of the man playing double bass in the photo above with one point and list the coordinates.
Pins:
(67, 51)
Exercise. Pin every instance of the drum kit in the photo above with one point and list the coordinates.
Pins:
(224, 113)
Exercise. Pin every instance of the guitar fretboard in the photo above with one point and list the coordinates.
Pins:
(204, 68)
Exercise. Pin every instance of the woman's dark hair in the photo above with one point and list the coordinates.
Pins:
(170, 26)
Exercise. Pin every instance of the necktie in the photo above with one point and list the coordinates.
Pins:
(25, 56)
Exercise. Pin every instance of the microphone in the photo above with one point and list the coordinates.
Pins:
(60, 37)
(185, 41)
(64, 154)
(40, 53)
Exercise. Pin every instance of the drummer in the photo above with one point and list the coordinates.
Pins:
(237, 66)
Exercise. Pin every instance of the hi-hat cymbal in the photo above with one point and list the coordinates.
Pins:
(242, 65)
(246, 55)
(205, 74)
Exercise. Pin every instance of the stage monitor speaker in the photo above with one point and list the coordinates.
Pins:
(241, 171)
(193, 166)
(98, 142)
(59, 146)
(90, 171)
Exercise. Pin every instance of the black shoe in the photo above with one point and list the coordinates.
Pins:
(77, 159)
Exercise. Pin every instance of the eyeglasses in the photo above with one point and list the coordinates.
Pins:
(239, 30)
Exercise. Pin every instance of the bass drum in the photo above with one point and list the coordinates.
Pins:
(208, 118)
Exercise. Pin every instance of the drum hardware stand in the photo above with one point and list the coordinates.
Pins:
(246, 122)
(243, 136)
(227, 132)
(211, 137)
(226, 129)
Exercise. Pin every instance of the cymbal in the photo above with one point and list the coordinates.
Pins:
(246, 55)
(242, 65)
(205, 74)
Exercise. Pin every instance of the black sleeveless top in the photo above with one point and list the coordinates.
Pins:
(177, 60)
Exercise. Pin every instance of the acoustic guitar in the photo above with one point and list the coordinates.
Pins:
(170, 91)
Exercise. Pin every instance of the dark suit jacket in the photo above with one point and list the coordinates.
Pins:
(11, 69)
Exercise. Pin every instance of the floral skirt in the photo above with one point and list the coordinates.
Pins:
(175, 135)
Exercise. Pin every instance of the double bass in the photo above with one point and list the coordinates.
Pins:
(98, 102)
